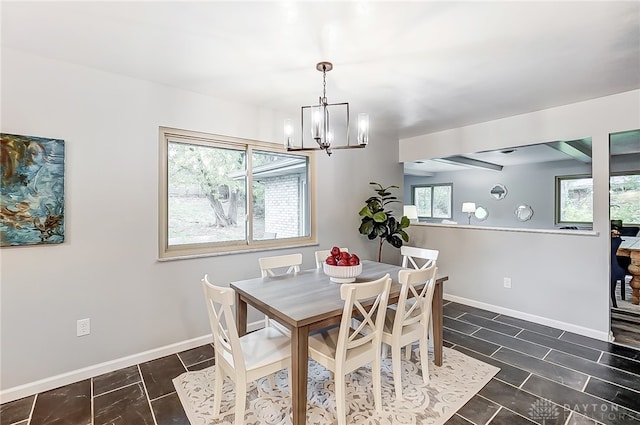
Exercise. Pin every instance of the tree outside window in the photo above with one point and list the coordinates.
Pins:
(574, 199)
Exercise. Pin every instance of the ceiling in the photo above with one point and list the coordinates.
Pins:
(620, 144)
(416, 67)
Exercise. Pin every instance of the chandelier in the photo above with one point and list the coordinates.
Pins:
(321, 123)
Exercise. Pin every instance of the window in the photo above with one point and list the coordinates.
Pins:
(222, 194)
(433, 201)
(624, 198)
(574, 198)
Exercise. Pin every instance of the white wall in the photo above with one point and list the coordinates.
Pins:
(556, 279)
(107, 269)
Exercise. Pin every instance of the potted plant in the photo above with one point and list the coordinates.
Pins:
(380, 223)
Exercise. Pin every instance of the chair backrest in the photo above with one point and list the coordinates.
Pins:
(410, 254)
(371, 317)
(419, 311)
(226, 342)
(321, 256)
(269, 264)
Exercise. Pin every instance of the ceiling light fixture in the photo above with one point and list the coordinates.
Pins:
(322, 122)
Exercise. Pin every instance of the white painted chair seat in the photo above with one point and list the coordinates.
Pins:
(263, 349)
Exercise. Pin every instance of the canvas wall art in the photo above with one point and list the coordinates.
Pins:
(32, 191)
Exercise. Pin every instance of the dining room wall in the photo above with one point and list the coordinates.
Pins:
(557, 279)
(107, 268)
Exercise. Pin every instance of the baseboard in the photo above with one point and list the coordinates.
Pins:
(15, 393)
(592, 333)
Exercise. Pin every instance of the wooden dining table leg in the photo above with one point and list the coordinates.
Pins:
(299, 358)
(634, 270)
(436, 315)
(241, 315)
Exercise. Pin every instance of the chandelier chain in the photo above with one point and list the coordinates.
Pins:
(324, 84)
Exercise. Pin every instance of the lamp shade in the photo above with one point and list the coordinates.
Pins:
(410, 211)
(468, 207)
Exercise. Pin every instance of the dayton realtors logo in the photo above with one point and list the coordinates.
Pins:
(544, 410)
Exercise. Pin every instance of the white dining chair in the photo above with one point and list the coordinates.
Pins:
(322, 255)
(243, 359)
(345, 349)
(409, 322)
(273, 266)
(418, 258)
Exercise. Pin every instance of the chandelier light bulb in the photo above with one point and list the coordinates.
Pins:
(363, 129)
(288, 133)
(316, 124)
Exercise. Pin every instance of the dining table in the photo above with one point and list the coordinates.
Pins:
(630, 247)
(308, 300)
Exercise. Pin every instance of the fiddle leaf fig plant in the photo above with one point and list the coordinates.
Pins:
(379, 222)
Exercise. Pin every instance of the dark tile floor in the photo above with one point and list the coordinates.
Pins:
(547, 377)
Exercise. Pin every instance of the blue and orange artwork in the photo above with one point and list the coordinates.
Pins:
(32, 191)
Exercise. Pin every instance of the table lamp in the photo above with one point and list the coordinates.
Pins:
(411, 212)
(469, 208)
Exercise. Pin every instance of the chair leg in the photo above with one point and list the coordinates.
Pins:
(272, 380)
(377, 384)
(241, 400)
(424, 359)
(341, 408)
(407, 352)
(613, 293)
(217, 392)
(396, 360)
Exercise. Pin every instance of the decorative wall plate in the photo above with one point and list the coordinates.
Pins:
(523, 212)
(498, 191)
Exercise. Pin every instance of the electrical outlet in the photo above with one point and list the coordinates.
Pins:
(507, 282)
(83, 327)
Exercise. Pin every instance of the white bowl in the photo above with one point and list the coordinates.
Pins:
(342, 274)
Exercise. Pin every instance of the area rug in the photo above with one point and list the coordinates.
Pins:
(450, 387)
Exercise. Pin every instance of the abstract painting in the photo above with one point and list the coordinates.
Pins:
(32, 191)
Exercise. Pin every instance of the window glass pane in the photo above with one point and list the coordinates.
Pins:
(422, 201)
(280, 195)
(442, 202)
(206, 194)
(576, 200)
(625, 198)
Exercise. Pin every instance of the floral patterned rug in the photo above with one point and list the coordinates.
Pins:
(451, 386)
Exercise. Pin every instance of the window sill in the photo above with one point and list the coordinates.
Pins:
(511, 229)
